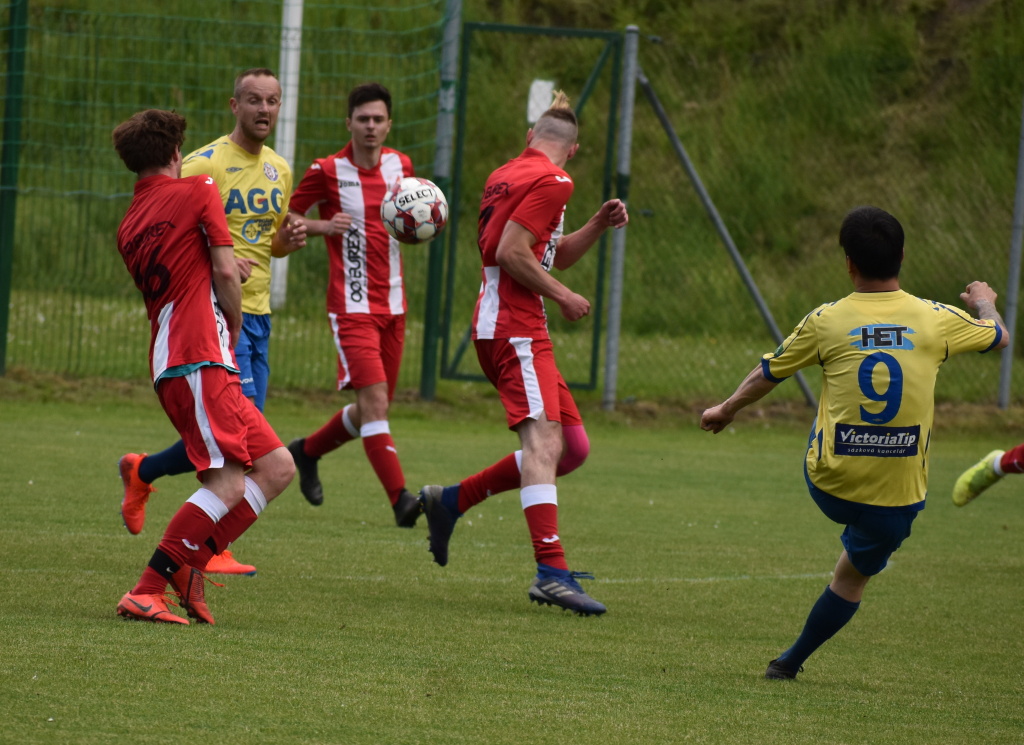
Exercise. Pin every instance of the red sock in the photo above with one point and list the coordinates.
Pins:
(1012, 461)
(540, 506)
(183, 540)
(150, 583)
(380, 450)
(186, 534)
(231, 526)
(502, 476)
(329, 437)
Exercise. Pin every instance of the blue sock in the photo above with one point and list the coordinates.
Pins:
(828, 615)
(450, 500)
(169, 462)
(547, 572)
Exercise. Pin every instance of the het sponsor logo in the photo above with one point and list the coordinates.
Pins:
(882, 336)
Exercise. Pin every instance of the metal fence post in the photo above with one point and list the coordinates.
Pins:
(287, 123)
(443, 178)
(1013, 280)
(611, 361)
(723, 232)
(11, 154)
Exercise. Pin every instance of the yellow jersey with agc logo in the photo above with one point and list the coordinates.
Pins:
(254, 190)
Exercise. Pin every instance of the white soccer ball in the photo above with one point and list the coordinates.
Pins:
(414, 210)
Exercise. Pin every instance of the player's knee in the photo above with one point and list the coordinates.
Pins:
(277, 470)
(577, 448)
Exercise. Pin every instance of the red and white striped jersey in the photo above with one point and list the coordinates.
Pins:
(365, 263)
(531, 191)
(165, 239)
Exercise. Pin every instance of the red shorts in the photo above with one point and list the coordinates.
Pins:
(527, 379)
(216, 422)
(369, 349)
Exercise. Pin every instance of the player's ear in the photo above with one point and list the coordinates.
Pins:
(529, 136)
(572, 150)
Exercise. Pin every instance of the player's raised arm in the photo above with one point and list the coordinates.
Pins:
(753, 388)
(981, 298)
(572, 247)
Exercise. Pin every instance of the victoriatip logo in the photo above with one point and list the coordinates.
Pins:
(878, 442)
(882, 336)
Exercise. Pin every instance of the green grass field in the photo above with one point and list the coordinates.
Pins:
(707, 552)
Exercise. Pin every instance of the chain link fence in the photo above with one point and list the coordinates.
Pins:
(89, 66)
(784, 143)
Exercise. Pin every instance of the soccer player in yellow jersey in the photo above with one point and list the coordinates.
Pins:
(255, 184)
(867, 458)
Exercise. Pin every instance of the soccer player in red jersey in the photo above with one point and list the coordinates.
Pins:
(176, 244)
(366, 301)
(520, 240)
(254, 184)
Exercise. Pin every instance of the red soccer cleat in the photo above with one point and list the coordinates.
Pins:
(188, 585)
(136, 492)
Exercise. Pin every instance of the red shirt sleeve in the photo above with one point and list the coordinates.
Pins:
(541, 208)
(310, 191)
(211, 215)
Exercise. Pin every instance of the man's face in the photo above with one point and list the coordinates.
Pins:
(369, 125)
(257, 107)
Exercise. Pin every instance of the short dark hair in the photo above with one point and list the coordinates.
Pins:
(149, 139)
(368, 93)
(873, 241)
(254, 72)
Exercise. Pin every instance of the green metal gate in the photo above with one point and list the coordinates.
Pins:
(482, 145)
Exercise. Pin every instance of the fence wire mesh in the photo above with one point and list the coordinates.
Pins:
(689, 328)
(90, 66)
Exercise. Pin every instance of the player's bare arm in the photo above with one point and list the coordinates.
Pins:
(337, 225)
(572, 247)
(981, 298)
(515, 256)
(290, 237)
(753, 388)
(227, 285)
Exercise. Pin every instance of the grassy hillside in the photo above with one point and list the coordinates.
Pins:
(795, 110)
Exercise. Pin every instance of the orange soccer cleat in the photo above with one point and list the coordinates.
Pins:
(136, 492)
(147, 608)
(225, 563)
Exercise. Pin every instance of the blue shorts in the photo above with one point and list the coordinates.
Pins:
(872, 533)
(253, 357)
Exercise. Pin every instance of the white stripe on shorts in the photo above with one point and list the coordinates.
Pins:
(531, 386)
(345, 378)
(195, 382)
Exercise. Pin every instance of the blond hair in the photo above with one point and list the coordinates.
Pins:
(559, 122)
